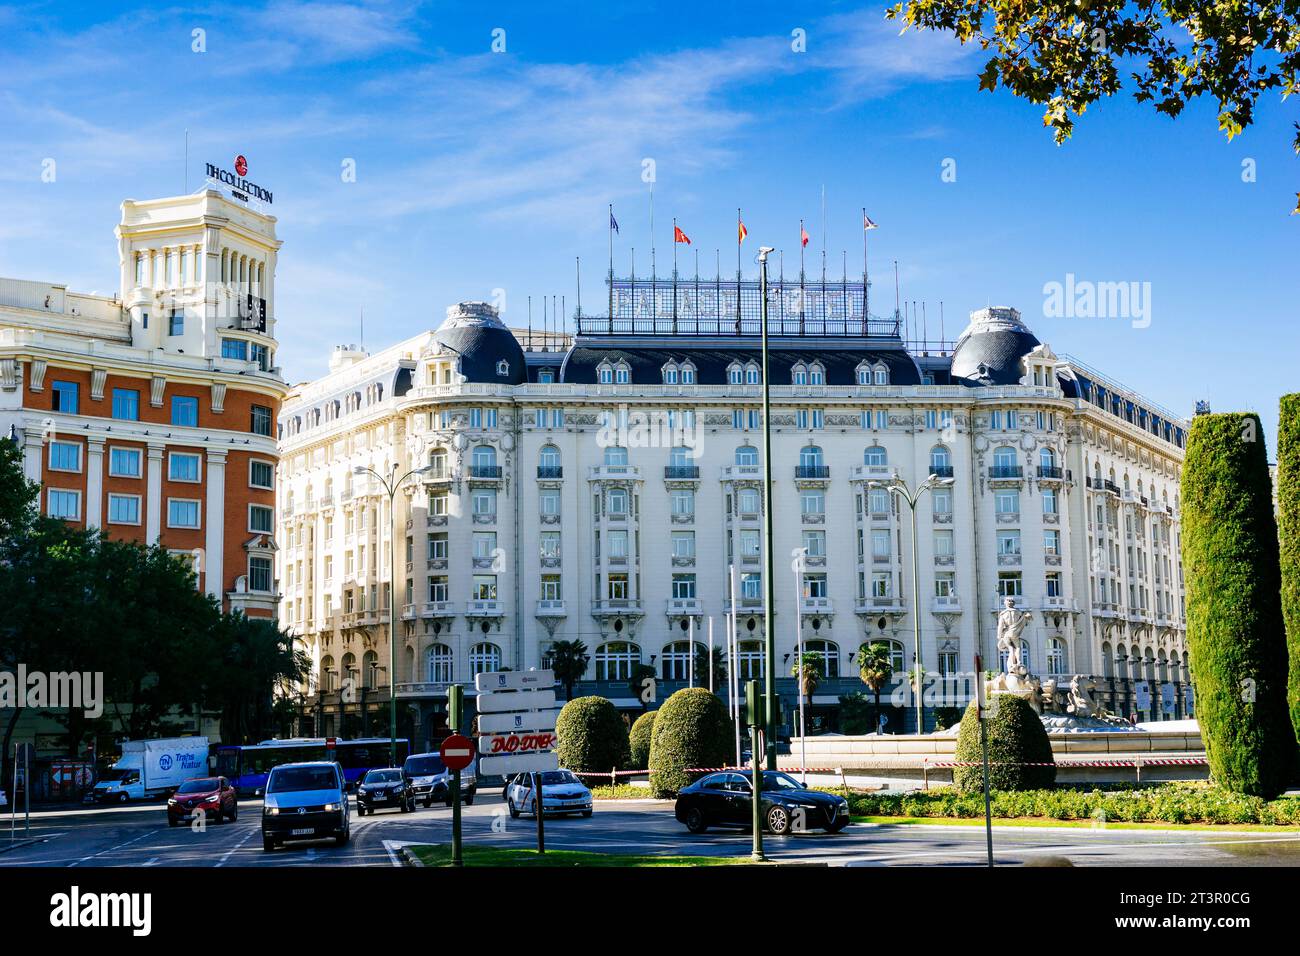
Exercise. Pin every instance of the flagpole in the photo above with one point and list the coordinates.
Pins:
(866, 281)
(611, 260)
(803, 294)
(739, 301)
(652, 235)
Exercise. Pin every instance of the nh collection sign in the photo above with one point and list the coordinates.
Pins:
(240, 187)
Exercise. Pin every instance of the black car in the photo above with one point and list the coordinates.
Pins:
(389, 788)
(725, 800)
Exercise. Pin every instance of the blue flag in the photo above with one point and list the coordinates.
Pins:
(613, 223)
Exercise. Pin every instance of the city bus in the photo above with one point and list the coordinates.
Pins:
(247, 765)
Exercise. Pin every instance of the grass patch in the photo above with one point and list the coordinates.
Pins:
(1076, 824)
(622, 791)
(440, 855)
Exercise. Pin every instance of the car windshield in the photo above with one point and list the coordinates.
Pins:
(290, 779)
(384, 776)
(202, 785)
(551, 777)
(779, 781)
(424, 766)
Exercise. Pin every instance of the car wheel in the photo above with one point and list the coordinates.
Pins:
(469, 799)
(234, 812)
(778, 820)
(267, 843)
(514, 810)
(837, 826)
(428, 804)
(696, 822)
(221, 817)
(122, 798)
(361, 811)
(342, 838)
(586, 813)
(171, 822)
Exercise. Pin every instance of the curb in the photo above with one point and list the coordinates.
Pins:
(22, 843)
(409, 858)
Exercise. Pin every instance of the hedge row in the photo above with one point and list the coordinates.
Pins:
(1167, 803)
(1235, 640)
(592, 736)
(1288, 520)
(1020, 753)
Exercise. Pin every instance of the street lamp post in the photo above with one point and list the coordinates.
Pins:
(769, 585)
(390, 484)
(898, 486)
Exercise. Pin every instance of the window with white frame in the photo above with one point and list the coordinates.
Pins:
(64, 503)
(124, 462)
(65, 456)
(261, 474)
(182, 513)
(183, 466)
(261, 519)
(439, 664)
(615, 660)
(484, 658)
(124, 509)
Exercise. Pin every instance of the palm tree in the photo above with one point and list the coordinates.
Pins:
(875, 668)
(702, 667)
(809, 672)
(569, 662)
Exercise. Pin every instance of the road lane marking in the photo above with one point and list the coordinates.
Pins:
(113, 848)
(231, 852)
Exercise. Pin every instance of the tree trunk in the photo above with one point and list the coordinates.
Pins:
(6, 772)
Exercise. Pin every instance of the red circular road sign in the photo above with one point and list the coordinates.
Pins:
(457, 752)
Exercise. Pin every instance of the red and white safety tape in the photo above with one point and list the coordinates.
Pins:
(1136, 762)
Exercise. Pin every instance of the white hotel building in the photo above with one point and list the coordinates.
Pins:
(547, 510)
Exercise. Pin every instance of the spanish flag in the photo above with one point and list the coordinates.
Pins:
(741, 231)
(679, 236)
(803, 235)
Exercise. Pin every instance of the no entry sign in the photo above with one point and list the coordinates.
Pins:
(457, 752)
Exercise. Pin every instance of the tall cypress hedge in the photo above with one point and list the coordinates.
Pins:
(1237, 650)
(1288, 526)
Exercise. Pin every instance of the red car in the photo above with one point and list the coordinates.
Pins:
(214, 796)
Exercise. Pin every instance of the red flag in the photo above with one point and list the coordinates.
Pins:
(741, 232)
(679, 236)
(803, 235)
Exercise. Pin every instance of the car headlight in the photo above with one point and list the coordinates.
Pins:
(171, 803)
(271, 811)
(331, 807)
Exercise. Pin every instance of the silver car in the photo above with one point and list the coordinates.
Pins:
(563, 794)
(431, 780)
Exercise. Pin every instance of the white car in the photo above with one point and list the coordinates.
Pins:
(563, 794)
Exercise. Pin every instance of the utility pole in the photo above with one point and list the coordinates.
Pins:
(769, 584)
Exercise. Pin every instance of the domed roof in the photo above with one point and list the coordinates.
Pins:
(990, 350)
(488, 351)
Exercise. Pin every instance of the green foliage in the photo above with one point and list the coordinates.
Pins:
(639, 740)
(1288, 527)
(592, 736)
(691, 731)
(1235, 639)
(857, 714)
(809, 671)
(703, 663)
(17, 495)
(1067, 55)
(1163, 803)
(1016, 739)
(569, 663)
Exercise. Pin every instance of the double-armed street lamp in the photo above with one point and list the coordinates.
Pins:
(898, 486)
(769, 584)
(391, 483)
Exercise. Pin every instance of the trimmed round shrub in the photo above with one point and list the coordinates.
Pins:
(1016, 739)
(639, 740)
(1235, 640)
(592, 736)
(690, 731)
(1288, 526)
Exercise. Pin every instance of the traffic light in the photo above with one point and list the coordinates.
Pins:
(753, 704)
(455, 705)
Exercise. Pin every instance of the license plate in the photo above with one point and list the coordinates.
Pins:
(305, 831)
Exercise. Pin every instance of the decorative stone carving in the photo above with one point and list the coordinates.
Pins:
(157, 386)
(38, 375)
(98, 376)
(218, 397)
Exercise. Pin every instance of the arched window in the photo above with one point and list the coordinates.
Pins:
(1107, 661)
(829, 653)
(439, 664)
(688, 374)
(438, 465)
(370, 670)
(1004, 457)
(484, 455)
(484, 658)
(622, 374)
(329, 677)
(348, 672)
(897, 656)
(677, 662)
(816, 374)
(615, 660)
(1056, 659)
(810, 455)
(678, 456)
(880, 375)
(616, 501)
(605, 375)
(863, 374)
(670, 374)
(749, 660)
(746, 455)
(549, 460)
(735, 375)
(799, 374)
(1047, 458)
(875, 455)
(615, 456)
(940, 462)
(751, 374)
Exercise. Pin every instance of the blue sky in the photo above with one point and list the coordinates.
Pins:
(478, 171)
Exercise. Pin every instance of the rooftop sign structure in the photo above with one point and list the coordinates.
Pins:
(732, 307)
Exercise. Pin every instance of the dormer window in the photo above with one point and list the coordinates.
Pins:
(751, 374)
(816, 374)
(670, 374)
(545, 376)
(735, 375)
(688, 374)
(503, 369)
(799, 374)
(880, 375)
(622, 374)
(605, 374)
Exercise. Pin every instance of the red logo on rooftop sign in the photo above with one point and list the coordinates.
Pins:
(241, 165)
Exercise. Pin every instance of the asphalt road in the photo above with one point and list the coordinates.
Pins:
(138, 836)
